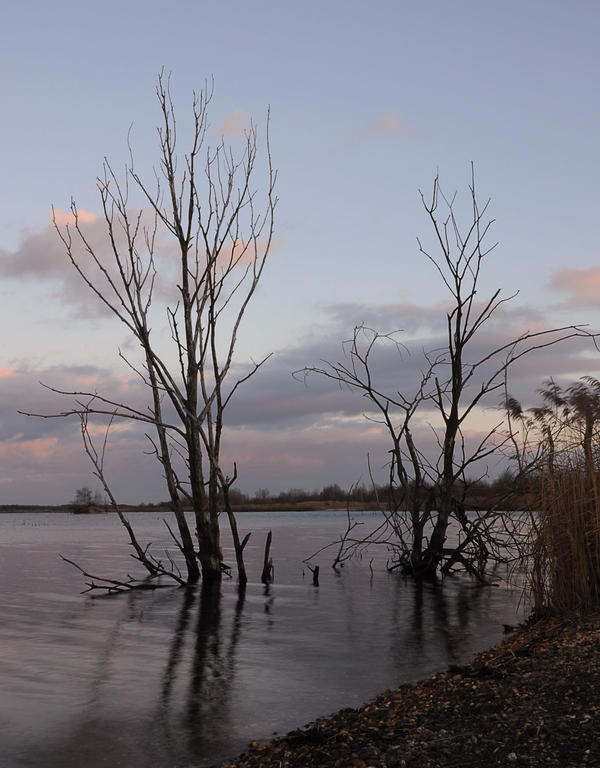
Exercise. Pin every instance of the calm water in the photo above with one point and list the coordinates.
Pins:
(180, 678)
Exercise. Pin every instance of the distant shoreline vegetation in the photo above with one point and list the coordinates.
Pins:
(479, 494)
(303, 506)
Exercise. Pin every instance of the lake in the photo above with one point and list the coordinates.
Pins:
(176, 678)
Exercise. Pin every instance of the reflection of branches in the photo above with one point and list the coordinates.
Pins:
(176, 647)
(212, 663)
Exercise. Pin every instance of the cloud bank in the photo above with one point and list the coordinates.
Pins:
(281, 431)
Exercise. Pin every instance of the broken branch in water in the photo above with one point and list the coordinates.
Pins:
(114, 585)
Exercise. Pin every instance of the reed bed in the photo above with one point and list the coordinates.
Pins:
(563, 557)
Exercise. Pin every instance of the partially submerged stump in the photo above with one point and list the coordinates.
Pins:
(267, 571)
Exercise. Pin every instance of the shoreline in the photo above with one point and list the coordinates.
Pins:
(301, 506)
(532, 700)
(314, 505)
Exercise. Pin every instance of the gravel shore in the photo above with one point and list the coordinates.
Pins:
(532, 701)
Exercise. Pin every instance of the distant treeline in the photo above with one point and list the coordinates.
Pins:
(477, 494)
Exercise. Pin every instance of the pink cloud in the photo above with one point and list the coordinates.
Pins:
(234, 124)
(241, 252)
(86, 380)
(581, 286)
(387, 126)
(41, 256)
(6, 373)
(116, 429)
(127, 381)
(40, 448)
(63, 218)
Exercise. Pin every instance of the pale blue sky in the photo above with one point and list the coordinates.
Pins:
(368, 101)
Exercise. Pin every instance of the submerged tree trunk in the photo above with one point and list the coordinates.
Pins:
(267, 571)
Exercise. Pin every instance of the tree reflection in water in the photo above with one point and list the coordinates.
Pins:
(205, 712)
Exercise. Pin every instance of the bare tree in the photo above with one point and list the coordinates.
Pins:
(83, 497)
(204, 214)
(427, 491)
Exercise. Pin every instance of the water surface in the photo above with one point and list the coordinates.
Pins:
(187, 677)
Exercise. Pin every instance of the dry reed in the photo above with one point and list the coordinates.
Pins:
(563, 562)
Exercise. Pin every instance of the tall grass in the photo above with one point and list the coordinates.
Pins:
(563, 558)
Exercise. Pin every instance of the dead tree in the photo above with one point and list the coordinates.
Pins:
(202, 239)
(427, 490)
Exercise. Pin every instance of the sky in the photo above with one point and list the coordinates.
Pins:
(368, 102)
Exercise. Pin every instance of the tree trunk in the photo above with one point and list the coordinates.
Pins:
(209, 550)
